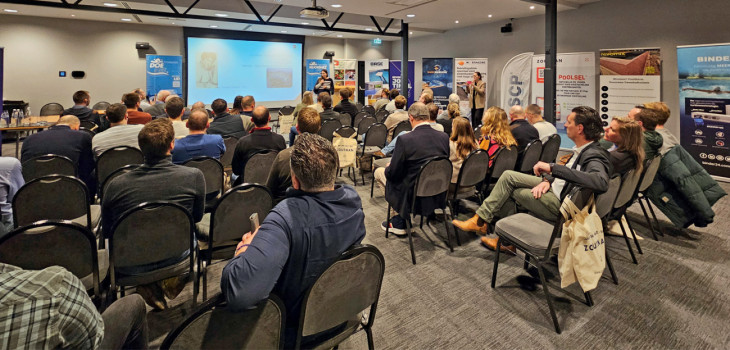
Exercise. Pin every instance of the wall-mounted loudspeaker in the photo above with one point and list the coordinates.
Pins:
(329, 53)
(78, 74)
(507, 28)
(142, 46)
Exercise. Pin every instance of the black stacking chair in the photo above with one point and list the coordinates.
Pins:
(538, 239)
(101, 106)
(365, 124)
(345, 131)
(358, 118)
(370, 110)
(115, 158)
(55, 197)
(473, 173)
(328, 129)
(652, 167)
(530, 157)
(604, 205)
(258, 167)
(550, 149)
(359, 106)
(504, 160)
(213, 171)
(88, 124)
(123, 170)
(345, 119)
(629, 185)
(433, 179)
(88, 131)
(220, 231)
(400, 127)
(381, 115)
(348, 287)
(373, 141)
(227, 156)
(52, 108)
(49, 164)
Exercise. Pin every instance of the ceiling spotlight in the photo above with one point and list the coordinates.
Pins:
(457, 21)
(369, 29)
(73, 15)
(305, 23)
(214, 26)
(221, 15)
(110, 4)
(490, 16)
(532, 7)
(336, 5)
(173, 22)
(411, 33)
(283, 31)
(127, 19)
(10, 10)
(410, 16)
(339, 35)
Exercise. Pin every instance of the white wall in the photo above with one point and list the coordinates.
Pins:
(603, 25)
(315, 47)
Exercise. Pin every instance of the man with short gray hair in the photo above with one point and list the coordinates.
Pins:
(544, 128)
(300, 237)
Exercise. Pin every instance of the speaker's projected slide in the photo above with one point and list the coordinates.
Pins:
(221, 68)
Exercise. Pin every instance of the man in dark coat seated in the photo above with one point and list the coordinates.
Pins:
(411, 152)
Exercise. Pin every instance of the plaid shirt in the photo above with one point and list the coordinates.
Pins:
(46, 309)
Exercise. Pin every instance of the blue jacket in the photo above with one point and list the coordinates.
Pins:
(192, 146)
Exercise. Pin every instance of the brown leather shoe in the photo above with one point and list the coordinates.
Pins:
(379, 154)
(152, 295)
(471, 225)
(491, 243)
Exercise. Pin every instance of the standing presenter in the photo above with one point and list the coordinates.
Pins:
(477, 97)
(324, 84)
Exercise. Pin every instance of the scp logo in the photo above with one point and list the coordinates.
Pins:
(157, 63)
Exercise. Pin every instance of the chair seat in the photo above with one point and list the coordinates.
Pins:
(177, 269)
(465, 192)
(202, 232)
(526, 232)
(95, 211)
(368, 149)
(103, 258)
(202, 228)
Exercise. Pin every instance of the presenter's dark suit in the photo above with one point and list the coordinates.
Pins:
(226, 124)
(411, 152)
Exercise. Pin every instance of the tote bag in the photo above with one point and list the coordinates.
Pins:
(582, 254)
(346, 149)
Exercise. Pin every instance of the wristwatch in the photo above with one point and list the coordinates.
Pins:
(551, 166)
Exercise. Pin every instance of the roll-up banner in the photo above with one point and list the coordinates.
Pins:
(704, 105)
(464, 69)
(516, 81)
(164, 73)
(345, 74)
(395, 77)
(576, 83)
(376, 78)
(438, 73)
(628, 77)
(314, 68)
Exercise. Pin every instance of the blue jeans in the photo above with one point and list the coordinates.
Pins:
(292, 135)
(391, 146)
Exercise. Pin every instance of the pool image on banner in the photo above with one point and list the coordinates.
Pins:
(628, 77)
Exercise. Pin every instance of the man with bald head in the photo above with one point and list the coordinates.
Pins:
(198, 143)
(261, 138)
(159, 107)
(522, 130)
(66, 140)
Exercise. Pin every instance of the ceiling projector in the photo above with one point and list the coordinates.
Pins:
(315, 12)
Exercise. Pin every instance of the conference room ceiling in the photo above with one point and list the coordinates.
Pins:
(425, 17)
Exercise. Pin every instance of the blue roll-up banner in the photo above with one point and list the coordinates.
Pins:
(704, 105)
(395, 77)
(314, 69)
(164, 73)
(438, 73)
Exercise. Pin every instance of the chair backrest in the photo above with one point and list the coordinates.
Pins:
(359, 117)
(402, 126)
(258, 167)
(123, 170)
(628, 188)
(87, 130)
(227, 157)
(345, 131)
(150, 233)
(286, 110)
(604, 202)
(370, 110)
(88, 124)
(52, 108)
(505, 159)
(364, 124)
(52, 197)
(359, 106)
(550, 149)
(101, 105)
(474, 169)
(531, 156)
(350, 285)
(212, 170)
(52, 242)
(213, 326)
(651, 168)
(115, 158)
(328, 129)
(376, 135)
(381, 115)
(230, 218)
(433, 178)
(48, 164)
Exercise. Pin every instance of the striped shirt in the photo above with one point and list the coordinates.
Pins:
(46, 309)
(120, 135)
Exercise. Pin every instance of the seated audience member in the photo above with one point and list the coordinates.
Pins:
(425, 98)
(452, 111)
(411, 152)
(299, 238)
(318, 104)
(201, 105)
(383, 100)
(663, 113)
(248, 103)
(261, 138)
(327, 113)
(65, 139)
(11, 180)
(307, 99)
(134, 116)
(81, 109)
(523, 132)
(426, 89)
(648, 118)
(155, 180)
(280, 175)
(588, 166)
(495, 132)
(49, 309)
(237, 107)
(390, 106)
(463, 112)
(119, 133)
(143, 102)
(397, 116)
(198, 143)
(225, 124)
(433, 112)
(626, 134)
(158, 108)
(461, 143)
(175, 108)
(544, 128)
(345, 106)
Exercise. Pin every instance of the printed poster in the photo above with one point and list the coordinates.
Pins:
(516, 81)
(704, 105)
(345, 74)
(576, 83)
(377, 77)
(629, 77)
(164, 73)
(314, 69)
(438, 73)
(464, 75)
(395, 78)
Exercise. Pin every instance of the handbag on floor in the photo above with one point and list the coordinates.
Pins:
(582, 254)
(346, 149)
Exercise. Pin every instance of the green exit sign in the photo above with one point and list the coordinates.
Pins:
(377, 42)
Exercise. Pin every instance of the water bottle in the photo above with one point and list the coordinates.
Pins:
(21, 115)
(15, 116)
(4, 119)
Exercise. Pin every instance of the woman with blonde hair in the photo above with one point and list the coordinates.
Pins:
(628, 137)
(307, 99)
(461, 143)
(495, 132)
(452, 112)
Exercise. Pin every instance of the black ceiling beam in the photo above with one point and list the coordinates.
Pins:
(172, 7)
(337, 20)
(377, 25)
(326, 25)
(274, 13)
(106, 9)
(64, 1)
(388, 25)
(253, 9)
(191, 7)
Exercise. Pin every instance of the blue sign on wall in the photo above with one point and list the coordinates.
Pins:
(164, 73)
(313, 69)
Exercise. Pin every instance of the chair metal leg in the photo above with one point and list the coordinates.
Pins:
(369, 333)
(448, 219)
(527, 262)
(387, 222)
(496, 261)
(631, 229)
(372, 185)
(547, 296)
(610, 267)
(205, 280)
(589, 299)
(421, 225)
(656, 221)
(628, 244)
(409, 228)
(448, 233)
(643, 210)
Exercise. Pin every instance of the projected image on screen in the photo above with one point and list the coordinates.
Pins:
(223, 68)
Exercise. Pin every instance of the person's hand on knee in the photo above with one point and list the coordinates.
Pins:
(540, 189)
